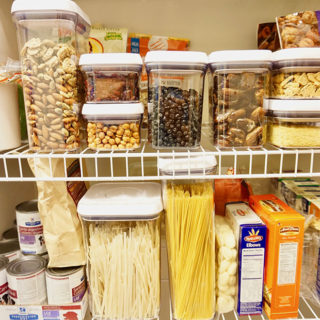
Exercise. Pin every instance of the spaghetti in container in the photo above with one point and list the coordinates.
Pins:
(122, 238)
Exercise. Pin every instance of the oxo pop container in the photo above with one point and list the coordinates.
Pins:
(296, 74)
(51, 37)
(240, 83)
(122, 239)
(112, 126)
(175, 97)
(112, 77)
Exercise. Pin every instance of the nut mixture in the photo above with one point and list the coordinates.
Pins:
(238, 109)
(299, 30)
(116, 137)
(50, 92)
(298, 84)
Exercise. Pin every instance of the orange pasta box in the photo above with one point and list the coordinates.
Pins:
(285, 231)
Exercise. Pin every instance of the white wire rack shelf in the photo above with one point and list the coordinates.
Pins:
(142, 164)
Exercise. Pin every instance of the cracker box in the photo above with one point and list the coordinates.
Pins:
(283, 255)
(250, 233)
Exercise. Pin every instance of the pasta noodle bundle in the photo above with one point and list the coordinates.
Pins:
(124, 270)
(190, 239)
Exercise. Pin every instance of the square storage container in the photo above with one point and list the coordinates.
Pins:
(112, 77)
(51, 37)
(296, 74)
(112, 126)
(175, 97)
(294, 123)
(240, 83)
(122, 239)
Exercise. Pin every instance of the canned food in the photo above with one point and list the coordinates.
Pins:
(3, 280)
(26, 280)
(10, 249)
(65, 285)
(30, 228)
(10, 234)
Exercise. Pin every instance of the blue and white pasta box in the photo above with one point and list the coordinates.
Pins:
(250, 233)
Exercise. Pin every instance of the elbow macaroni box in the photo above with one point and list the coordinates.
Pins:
(250, 233)
(283, 255)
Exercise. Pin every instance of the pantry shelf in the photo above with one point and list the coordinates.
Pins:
(142, 164)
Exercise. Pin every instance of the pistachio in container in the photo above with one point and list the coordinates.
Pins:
(113, 126)
(51, 37)
(122, 240)
(175, 97)
(111, 77)
(240, 83)
(296, 74)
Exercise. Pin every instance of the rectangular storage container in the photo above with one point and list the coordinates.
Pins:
(122, 240)
(111, 77)
(296, 74)
(240, 83)
(112, 126)
(175, 97)
(51, 37)
(294, 123)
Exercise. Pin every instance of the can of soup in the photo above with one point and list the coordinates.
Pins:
(27, 281)
(30, 228)
(10, 249)
(3, 280)
(65, 285)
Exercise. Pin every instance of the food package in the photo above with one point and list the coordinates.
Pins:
(142, 43)
(10, 72)
(57, 208)
(267, 37)
(284, 255)
(299, 30)
(226, 266)
(103, 39)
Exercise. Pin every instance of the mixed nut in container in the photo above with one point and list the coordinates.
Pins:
(50, 42)
(296, 74)
(175, 97)
(111, 77)
(240, 83)
(112, 126)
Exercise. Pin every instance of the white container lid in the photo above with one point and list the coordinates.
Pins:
(110, 59)
(233, 56)
(182, 165)
(112, 110)
(293, 105)
(296, 54)
(176, 57)
(48, 5)
(121, 201)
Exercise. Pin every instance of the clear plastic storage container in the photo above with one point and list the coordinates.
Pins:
(240, 82)
(113, 127)
(122, 239)
(175, 97)
(112, 77)
(294, 123)
(296, 74)
(51, 37)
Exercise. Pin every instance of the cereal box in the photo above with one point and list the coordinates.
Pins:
(283, 255)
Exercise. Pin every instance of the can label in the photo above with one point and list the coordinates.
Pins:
(13, 255)
(27, 290)
(30, 232)
(3, 287)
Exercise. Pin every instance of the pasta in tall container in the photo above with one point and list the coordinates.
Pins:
(122, 232)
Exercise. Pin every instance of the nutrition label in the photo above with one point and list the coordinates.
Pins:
(288, 254)
(252, 262)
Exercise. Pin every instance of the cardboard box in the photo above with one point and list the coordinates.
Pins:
(283, 255)
(250, 233)
(75, 311)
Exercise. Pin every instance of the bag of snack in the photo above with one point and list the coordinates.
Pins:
(267, 36)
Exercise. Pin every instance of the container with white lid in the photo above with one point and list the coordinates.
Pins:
(294, 123)
(51, 37)
(122, 238)
(240, 83)
(175, 99)
(112, 77)
(113, 126)
(296, 73)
